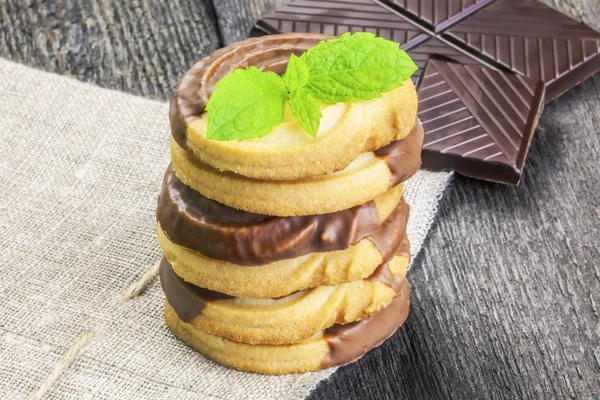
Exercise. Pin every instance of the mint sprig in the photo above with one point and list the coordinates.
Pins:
(355, 67)
(246, 104)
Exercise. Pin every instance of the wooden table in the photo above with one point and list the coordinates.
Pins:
(506, 293)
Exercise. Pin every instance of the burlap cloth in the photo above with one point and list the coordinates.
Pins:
(80, 171)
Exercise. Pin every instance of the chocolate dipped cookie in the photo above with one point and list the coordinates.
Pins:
(367, 176)
(281, 217)
(288, 152)
(316, 263)
(332, 347)
(288, 319)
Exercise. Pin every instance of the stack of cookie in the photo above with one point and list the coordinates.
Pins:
(286, 253)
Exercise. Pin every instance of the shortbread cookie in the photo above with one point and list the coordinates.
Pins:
(239, 237)
(287, 276)
(335, 346)
(369, 175)
(287, 319)
(288, 152)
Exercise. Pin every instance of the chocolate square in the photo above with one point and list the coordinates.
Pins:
(478, 122)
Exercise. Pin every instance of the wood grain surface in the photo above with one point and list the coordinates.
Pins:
(506, 293)
(141, 46)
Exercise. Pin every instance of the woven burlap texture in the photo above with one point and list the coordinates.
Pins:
(80, 171)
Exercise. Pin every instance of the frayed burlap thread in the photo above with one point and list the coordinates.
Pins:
(141, 284)
(80, 171)
(62, 365)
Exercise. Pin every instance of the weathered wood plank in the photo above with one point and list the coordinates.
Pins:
(236, 17)
(142, 47)
(587, 11)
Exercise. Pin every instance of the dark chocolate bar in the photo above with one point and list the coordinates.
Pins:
(478, 122)
(518, 42)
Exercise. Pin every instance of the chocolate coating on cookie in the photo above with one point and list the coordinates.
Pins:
(383, 273)
(390, 237)
(269, 53)
(243, 238)
(189, 300)
(186, 299)
(403, 157)
(349, 342)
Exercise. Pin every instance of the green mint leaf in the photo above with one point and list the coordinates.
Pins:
(355, 67)
(296, 74)
(306, 110)
(246, 104)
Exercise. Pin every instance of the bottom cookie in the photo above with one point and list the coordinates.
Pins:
(335, 346)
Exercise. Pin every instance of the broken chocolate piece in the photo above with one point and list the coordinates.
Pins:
(478, 122)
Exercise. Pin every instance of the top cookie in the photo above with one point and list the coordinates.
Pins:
(288, 152)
